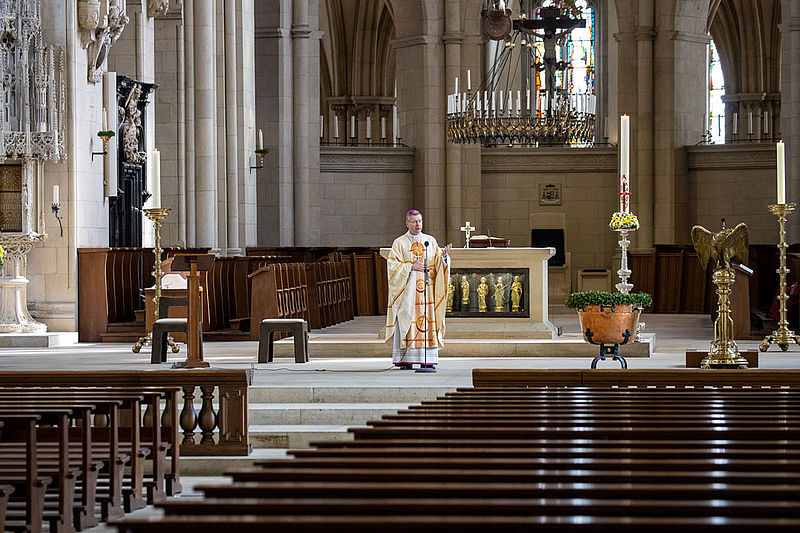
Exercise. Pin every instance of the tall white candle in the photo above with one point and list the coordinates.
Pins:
(528, 101)
(518, 102)
(383, 127)
(508, 108)
(352, 126)
(494, 109)
(749, 122)
(55, 195)
(322, 126)
(469, 80)
(260, 139)
(105, 120)
(335, 127)
(765, 127)
(735, 123)
(624, 159)
(456, 89)
(781, 172)
(156, 178)
(369, 127)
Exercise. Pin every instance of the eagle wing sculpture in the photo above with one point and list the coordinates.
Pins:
(722, 246)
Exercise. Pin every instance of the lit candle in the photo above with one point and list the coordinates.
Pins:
(781, 173)
(321, 126)
(624, 160)
(335, 127)
(469, 80)
(55, 195)
(456, 89)
(749, 122)
(105, 120)
(383, 127)
(156, 178)
(352, 126)
(518, 102)
(735, 123)
(260, 139)
(494, 109)
(369, 127)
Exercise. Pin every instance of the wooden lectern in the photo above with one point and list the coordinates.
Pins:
(194, 263)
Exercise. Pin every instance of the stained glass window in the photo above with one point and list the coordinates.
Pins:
(716, 88)
(576, 48)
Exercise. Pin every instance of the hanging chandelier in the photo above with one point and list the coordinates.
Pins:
(515, 104)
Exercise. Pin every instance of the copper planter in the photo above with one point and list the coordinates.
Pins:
(607, 323)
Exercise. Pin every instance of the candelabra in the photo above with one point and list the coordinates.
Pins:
(260, 153)
(624, 286)
(782, 336)
(157, 215)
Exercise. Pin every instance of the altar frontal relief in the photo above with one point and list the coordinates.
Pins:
(485, 292)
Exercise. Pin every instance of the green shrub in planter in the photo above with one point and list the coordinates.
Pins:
(580, 300)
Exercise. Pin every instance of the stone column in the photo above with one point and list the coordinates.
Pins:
(453, 38)
(189, 197)
(231, 130)
(205, 128)
(181, 116)
(645, 33)
(790, 107)
(301, 33)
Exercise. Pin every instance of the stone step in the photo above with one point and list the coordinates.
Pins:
(218, 465)
(383, 395)
(297, 436)
(319, 413)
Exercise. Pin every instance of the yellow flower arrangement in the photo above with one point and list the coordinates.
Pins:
(624, 221)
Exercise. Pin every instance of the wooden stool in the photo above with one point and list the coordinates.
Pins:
(297, 326)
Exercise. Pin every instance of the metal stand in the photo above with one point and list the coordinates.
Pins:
(724, 352)
(624, 286)
(609, 350)
(157, 215)
(782, 336)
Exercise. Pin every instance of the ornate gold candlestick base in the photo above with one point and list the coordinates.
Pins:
(724, 352)
(157, 215)
(782, 336)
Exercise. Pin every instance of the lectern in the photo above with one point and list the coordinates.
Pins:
(194, 263)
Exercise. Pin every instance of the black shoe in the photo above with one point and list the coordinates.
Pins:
(403, 366)
(427, 366)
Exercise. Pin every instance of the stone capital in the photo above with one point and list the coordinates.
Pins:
(453, 37)
(416, 40)
(645, 33)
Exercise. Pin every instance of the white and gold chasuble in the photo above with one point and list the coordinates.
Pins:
(406, 323)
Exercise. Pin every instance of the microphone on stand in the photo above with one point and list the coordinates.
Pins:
(425, 368)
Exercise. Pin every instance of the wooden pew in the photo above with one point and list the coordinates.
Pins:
(586, 458)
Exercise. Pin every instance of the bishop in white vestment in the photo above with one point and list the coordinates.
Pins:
(416, 310)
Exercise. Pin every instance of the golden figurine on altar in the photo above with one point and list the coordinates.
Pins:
(483, 290)
(464, 291)
(450, 290)
(516, 294)
(499, 293)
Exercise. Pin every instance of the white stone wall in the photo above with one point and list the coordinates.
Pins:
(364, 194)
(736, 182)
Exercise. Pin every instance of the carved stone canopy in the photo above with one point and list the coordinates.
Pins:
(132, 99)
(101, 22)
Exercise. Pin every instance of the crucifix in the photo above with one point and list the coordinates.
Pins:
(467, 229)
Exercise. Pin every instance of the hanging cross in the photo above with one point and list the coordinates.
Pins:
(467, 229)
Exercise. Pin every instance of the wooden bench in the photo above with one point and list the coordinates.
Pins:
(522, 459)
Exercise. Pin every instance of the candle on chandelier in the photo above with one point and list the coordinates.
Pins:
(321, 126)
(765, 129)
(352, 126)
(781, 160)
(735, 123)
(624, 160)
(335, 127)
(469, 80)
(383, 127)
(369, 127)
(518, 102)
(749, 122)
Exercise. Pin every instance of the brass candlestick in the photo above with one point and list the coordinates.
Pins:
(782, 336)
(157, 215)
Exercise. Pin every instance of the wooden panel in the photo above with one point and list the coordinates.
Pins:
(92, 294)
(264, 304)
(669, 275)
(740, 305)
(694, 287)
(643, 272)
(364, 289)
(381, 284)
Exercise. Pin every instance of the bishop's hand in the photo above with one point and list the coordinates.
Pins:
(446, 249)
(418, 266)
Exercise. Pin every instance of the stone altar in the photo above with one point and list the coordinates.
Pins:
(535, 324)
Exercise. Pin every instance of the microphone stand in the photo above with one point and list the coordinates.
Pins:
(489, 234)
(425, 369)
